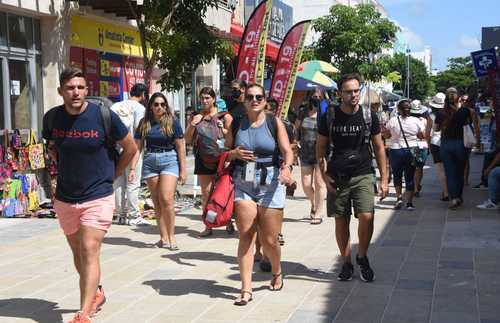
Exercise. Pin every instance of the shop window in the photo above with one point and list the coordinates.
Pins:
(3, 29)
(19, 94)
(19, 36)
(2, 117)
(39, 88)
(36, 31)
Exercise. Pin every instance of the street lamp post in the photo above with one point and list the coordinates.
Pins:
(408, 72)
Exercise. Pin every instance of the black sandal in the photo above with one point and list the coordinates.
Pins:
(242, 301)
(273, 281)
(316, 221)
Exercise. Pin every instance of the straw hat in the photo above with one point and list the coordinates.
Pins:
(437, 100)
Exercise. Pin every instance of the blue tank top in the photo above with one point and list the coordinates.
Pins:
(259, 140)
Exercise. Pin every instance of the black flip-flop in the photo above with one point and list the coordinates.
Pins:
(316, 221)
(242, 301)
(275, 276)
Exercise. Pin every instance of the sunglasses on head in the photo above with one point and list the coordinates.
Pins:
(159, 104)
(257, 97)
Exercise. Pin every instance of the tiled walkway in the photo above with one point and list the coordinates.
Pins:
(432, 265)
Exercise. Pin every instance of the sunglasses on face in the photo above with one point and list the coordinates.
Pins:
(159, 104)
(257, 97)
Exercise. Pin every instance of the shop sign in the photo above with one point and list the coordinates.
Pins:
(109, 89)
(87, 33)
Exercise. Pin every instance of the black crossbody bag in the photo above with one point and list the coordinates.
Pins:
(415, 151)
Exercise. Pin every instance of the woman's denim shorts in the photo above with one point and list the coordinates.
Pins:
(268, 192)
(160, 163)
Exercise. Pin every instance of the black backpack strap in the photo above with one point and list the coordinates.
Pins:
(106, 120)
(272, 125)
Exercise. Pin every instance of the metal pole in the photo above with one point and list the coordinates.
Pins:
(408, 73)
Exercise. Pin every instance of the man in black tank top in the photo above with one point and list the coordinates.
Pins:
(349, 175)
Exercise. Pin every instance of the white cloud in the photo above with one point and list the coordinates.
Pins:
(407, 36)
(469, 43)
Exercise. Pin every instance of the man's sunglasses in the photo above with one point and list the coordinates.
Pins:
(250, 97)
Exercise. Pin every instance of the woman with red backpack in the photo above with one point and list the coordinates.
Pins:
(206, 133)
(259, 176)
(164, 163)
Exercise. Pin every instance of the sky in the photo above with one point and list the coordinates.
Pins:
(450, 28)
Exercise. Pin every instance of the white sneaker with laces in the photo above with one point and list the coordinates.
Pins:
(488, 205)
(138, 221)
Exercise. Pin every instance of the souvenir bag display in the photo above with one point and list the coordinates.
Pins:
(23, 162)
(33, 201)
(16, 140)
(35, 152)
(5, 168)
(9, 156)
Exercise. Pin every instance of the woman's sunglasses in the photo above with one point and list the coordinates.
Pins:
(250, 97)
(159, 104)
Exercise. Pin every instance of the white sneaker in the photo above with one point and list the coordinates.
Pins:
(138, 221)
(488, 205)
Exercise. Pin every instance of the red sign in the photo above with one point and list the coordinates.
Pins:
(252, 51)
(134, 72)
(285, 72)
(76, 57)
(91, 70)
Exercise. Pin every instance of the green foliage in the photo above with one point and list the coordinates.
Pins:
(421, 86)
(179, 38)
(350, 35)
(394, 77)
(309, 54)
(459, 74)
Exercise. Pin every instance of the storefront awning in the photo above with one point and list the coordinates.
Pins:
(120, 8)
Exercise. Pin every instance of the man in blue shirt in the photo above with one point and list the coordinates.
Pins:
(84, 200)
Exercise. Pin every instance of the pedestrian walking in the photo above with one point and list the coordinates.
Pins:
(84, 200)
(468, 102)
(259, 187)
(131, 112)
(161, 138)
(437, 104)
(451, 121)
(420, 112)
(206, 133)
(404, 131)
(307, 131)
(348, 174)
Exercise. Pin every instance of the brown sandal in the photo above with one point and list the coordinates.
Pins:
(242, 301)
(273, 281)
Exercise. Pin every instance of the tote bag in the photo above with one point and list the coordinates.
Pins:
(35, 152)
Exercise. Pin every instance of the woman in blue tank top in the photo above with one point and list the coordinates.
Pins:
(259, 186)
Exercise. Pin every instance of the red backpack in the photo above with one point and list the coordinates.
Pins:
(206, 144)
(220, 203)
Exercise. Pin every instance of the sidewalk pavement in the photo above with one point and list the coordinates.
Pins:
(431, 265)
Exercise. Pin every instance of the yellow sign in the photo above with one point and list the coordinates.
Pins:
(104, 67)
(103, 88)
(91, 34)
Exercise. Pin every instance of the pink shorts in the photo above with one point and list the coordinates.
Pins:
(96, 214)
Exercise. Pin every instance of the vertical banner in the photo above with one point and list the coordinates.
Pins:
(288, 61)
(252, 52)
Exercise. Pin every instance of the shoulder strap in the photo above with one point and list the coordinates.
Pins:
(272, 124)
(367, 117)
(106, 119)
(403, 133)
(330, 117)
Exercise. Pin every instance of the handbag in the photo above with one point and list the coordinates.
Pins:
(35, 152)
(220, 203)
(469, 138)
(9, 156)
(416, 156)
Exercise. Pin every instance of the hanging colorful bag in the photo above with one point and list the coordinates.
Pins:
(9, 156)
(35, 152)
(16, 139)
